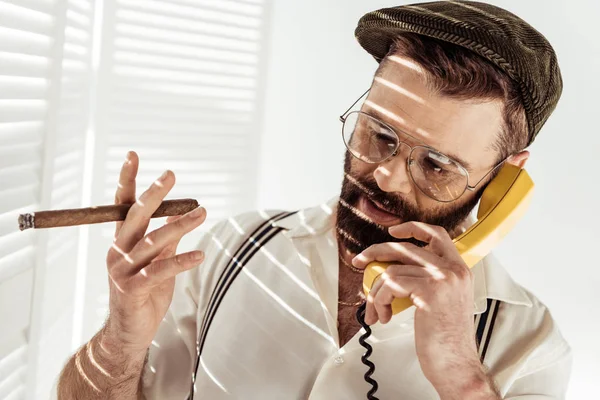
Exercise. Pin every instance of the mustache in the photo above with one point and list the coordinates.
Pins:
(356, 230)
(392, 204)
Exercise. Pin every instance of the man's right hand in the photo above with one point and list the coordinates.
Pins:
(142, 267)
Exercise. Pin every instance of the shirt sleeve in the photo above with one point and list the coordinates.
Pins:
(546, 377)
(172, 355)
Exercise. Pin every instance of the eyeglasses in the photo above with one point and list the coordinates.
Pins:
(435, 174)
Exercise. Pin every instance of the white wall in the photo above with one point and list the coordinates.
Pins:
(317, 69)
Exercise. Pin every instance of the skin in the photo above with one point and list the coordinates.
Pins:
(434, 276)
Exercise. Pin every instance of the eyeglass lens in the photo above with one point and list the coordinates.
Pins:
(438, 176)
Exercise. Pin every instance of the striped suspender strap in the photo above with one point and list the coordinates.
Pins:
(485, 326)
(261, 235)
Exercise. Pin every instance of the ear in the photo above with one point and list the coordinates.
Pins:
(519, 159)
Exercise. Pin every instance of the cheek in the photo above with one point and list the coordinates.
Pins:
(360, 169)
(424, 203)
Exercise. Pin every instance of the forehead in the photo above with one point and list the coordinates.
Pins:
(403, 99)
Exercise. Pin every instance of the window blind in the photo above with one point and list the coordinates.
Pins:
(55, 285)
(44, 62)
(180, 82)
(26, 31)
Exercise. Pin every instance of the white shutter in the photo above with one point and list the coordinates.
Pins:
(181, 83)
(44, 63)
(55, 285)
(26, 30)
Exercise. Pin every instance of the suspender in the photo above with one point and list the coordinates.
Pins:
(258, 238)
(261, 235)
(485, 326)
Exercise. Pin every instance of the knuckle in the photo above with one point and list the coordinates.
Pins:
(392, 270)
(150, 238)
(189, 258)
(179, 261)
(111, 257)
(434, 284)
(463, 273)
(379, 301)
(181, 223)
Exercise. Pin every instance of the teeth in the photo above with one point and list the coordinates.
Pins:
(379, 207)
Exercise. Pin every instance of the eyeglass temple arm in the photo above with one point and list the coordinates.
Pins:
(343, 116)
(471, 188)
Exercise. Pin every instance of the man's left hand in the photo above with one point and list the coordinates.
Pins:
(440, 286)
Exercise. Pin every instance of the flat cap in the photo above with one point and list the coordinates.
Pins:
(492, 32)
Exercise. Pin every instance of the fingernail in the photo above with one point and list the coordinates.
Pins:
(163, 176)
(198, 256)
(196, 212)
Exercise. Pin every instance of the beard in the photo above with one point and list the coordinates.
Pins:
(357, 234)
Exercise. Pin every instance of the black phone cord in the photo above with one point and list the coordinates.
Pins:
(360, 316)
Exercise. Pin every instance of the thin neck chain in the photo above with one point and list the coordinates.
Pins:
(351, 267)
(355, 270)
(345, 303)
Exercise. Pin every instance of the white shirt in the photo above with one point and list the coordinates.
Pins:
(274, 334)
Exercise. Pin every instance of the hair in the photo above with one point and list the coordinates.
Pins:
(457, 72)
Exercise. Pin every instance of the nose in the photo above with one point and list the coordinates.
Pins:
(392, 174)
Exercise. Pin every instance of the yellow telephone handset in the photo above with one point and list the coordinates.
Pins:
(502, 204)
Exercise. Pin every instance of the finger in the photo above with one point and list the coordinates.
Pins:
(403, 252)
(167, 252)
(370, 311)
(436, 237)
(393, 287)
(173, 218)
(412, 271)
(154, 243)
(125, 193)
(137, 220)
(170, 249)
(158, 271)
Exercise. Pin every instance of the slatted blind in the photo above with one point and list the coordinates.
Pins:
(180, 83)
(56, 290)
(44, 62)
(26, 30)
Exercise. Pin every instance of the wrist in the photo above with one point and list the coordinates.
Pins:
(116, 341)
(471, 383)
(121, 358)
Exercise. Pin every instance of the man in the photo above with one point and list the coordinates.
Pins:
(462, 89)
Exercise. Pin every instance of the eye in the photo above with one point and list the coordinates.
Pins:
(384, 136)
(432, 165)
(438, 163)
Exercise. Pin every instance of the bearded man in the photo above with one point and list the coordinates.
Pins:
(462, 89)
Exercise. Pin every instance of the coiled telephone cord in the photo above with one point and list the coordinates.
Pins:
(360, 316)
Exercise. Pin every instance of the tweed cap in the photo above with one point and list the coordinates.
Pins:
(492, 32)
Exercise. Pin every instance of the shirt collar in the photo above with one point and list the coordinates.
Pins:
(310, 221)
(492, 281)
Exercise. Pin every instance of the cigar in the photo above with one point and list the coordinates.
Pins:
(96, 215)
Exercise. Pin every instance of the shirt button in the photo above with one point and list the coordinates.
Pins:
(339, 360)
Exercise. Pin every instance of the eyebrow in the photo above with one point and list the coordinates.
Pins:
(371, 111)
